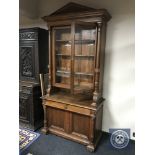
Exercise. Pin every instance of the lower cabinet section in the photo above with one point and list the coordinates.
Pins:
(24, 107)
(80, 126)
(30, 106)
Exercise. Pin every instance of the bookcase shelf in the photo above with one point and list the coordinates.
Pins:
(85, 56)
(86, 41)
(67, 73)
(63, 41)
(65, 55)
(84, 74)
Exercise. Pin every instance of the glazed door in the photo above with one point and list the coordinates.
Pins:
(62, 56)
(84, 57)
(74, 51)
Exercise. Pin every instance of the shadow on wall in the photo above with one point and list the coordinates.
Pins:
(118, 86)
(118, 82)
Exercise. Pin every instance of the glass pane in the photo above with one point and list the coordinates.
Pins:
(85, 43)
(63, 56)
(63, 33)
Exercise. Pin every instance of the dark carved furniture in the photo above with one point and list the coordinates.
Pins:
(73, 103)
(33, 59)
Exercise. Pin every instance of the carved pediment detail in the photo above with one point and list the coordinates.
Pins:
(72, 8)
(28, 36)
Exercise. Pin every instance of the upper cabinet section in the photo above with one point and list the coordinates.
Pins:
(33, 53)
(76, 11)
(77, 43)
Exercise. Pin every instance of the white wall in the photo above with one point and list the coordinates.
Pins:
(119, 73)
(29, 8)
(28, 12)
(118, 109)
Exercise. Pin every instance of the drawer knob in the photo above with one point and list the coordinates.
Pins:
(65, 106)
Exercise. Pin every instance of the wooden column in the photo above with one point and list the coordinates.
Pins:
(50, 63)
(91, 146)
(72, 56)
(92, 127)
(45, 128)
(97, 65)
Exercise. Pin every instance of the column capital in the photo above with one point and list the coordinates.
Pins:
(99, 24)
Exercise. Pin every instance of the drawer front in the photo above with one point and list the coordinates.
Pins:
(79, 110)
(67, 107)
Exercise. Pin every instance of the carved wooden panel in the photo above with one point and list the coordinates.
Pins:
(27, 52)
(56, 118)
(80, 124)
(26, 61)
(33, 49)
(24, 107)
(28, 36)
(30, 105)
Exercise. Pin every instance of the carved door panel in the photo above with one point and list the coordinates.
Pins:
(56, 118)
(80, 125)
(24, 107)
(27, 60)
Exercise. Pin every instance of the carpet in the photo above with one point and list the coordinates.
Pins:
(26, 138)
(54, 145)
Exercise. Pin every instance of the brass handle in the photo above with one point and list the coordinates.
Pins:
(65, 106)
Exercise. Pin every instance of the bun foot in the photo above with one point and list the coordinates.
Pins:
(91, 148)
(44, 131)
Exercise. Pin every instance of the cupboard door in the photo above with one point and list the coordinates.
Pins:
(62, 56)
(80, 125)
(56, 118)
(28, 67)
(24, 107)
(84, 57)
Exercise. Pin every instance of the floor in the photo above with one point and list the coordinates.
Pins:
(54, 145)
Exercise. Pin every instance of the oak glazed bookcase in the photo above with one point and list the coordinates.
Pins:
(73, 103)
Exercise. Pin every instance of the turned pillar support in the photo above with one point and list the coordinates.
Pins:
(50, 62)
(97, 65)
(45, 128)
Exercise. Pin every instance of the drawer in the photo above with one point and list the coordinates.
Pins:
(79, 110)
(68, 107)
